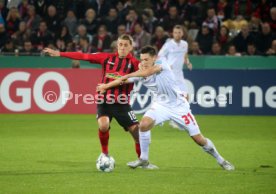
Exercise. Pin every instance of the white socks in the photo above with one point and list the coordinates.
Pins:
(211, 149)
(144, 138)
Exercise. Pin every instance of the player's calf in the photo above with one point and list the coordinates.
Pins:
(134, 131)
(199, 139)
(209, 147)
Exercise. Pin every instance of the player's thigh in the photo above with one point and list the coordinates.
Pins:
(158, 113)
(185, 119)
(124, 116)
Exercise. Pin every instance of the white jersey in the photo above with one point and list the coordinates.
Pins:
(174, 53)
(168, 103)
(163, 86)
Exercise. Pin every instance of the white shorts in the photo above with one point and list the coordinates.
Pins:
(181, 115)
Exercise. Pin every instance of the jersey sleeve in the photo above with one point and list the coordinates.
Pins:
(133, 79)
(162, 61)
(97, 58)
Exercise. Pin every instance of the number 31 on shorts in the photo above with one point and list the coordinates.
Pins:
(188, 119)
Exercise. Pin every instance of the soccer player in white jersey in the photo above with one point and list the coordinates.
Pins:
(168, 104)
(175, 51)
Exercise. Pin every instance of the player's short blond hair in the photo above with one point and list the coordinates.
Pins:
(126, 37)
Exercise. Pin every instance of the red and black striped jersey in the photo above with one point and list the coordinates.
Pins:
(112, 67)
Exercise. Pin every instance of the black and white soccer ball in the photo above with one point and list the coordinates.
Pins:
(105, 164)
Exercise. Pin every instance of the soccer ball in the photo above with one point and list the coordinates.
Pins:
(105, 163)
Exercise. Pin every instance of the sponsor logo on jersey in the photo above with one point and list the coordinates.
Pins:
(115, 75)
(110, 62)
(140, 99)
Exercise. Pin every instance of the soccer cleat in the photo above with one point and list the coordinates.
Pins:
(227, 165)
(139, 162)
(142, 164)
(173, 125)
(101, 155)
(150, 166)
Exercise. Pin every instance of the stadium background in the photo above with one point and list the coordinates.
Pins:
(56, 153)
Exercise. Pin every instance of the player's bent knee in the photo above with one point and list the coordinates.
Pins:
(143, 128)
(103, 124)
(146, 124)
(104, 128)
(199, 139)
(134, 128)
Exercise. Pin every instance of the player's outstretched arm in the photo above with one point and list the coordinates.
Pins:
(187, 62)
(92, 57)
(144, 73)
(103, 87)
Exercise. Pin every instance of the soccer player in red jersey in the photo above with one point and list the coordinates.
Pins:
(113, 64)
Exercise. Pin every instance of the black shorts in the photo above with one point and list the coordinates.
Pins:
(123, 114)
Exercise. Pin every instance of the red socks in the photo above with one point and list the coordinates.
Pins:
(138, 150)
(104, 137)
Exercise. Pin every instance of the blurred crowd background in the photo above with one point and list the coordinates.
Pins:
(214, 27)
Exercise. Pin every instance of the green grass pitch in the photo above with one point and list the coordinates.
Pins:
(57, 154)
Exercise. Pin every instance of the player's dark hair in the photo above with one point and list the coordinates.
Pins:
(126, 37)
(179, 27)
(148, 50)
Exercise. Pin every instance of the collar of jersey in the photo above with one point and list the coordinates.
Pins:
(129, 56)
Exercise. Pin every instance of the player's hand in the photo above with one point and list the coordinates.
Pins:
(141, 66)
(124, 78)
(190, 66)
(51, 52)
(101, 88)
